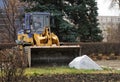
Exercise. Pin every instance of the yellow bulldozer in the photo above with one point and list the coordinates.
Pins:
(39, 43)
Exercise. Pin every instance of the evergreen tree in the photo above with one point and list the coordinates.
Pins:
(83, 13)
(80, 13)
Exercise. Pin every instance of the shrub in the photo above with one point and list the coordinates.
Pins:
(11, 65)
(100, 48)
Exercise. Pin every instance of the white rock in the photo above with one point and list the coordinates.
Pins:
(84, 62)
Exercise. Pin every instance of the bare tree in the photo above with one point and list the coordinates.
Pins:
(11, 12)
(115, 33)
(114, 2)
(11, 66)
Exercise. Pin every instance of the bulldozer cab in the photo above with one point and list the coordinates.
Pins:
(37, 21)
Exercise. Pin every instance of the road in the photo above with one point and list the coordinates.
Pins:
(115, 64)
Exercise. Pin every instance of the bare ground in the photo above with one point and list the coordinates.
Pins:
(114, 64)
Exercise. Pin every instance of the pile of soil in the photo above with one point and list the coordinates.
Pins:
(77, 78)
(111, 77)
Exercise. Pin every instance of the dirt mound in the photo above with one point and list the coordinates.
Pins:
(76, 78)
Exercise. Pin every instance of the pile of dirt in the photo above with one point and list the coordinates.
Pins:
(76, 78)
(111, 77)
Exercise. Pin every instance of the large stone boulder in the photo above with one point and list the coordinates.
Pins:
(84, 62)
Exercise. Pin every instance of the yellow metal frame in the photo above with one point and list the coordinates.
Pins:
(45, 39)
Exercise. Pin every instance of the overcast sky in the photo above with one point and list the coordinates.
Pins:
(105, 10)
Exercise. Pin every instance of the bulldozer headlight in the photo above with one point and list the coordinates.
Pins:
(27, 31)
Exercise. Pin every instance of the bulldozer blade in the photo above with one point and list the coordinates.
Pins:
(51, 55)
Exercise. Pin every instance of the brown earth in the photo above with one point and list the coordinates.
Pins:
(77, 78)
(111, 77)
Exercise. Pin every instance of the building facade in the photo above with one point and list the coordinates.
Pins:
(110, 28)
